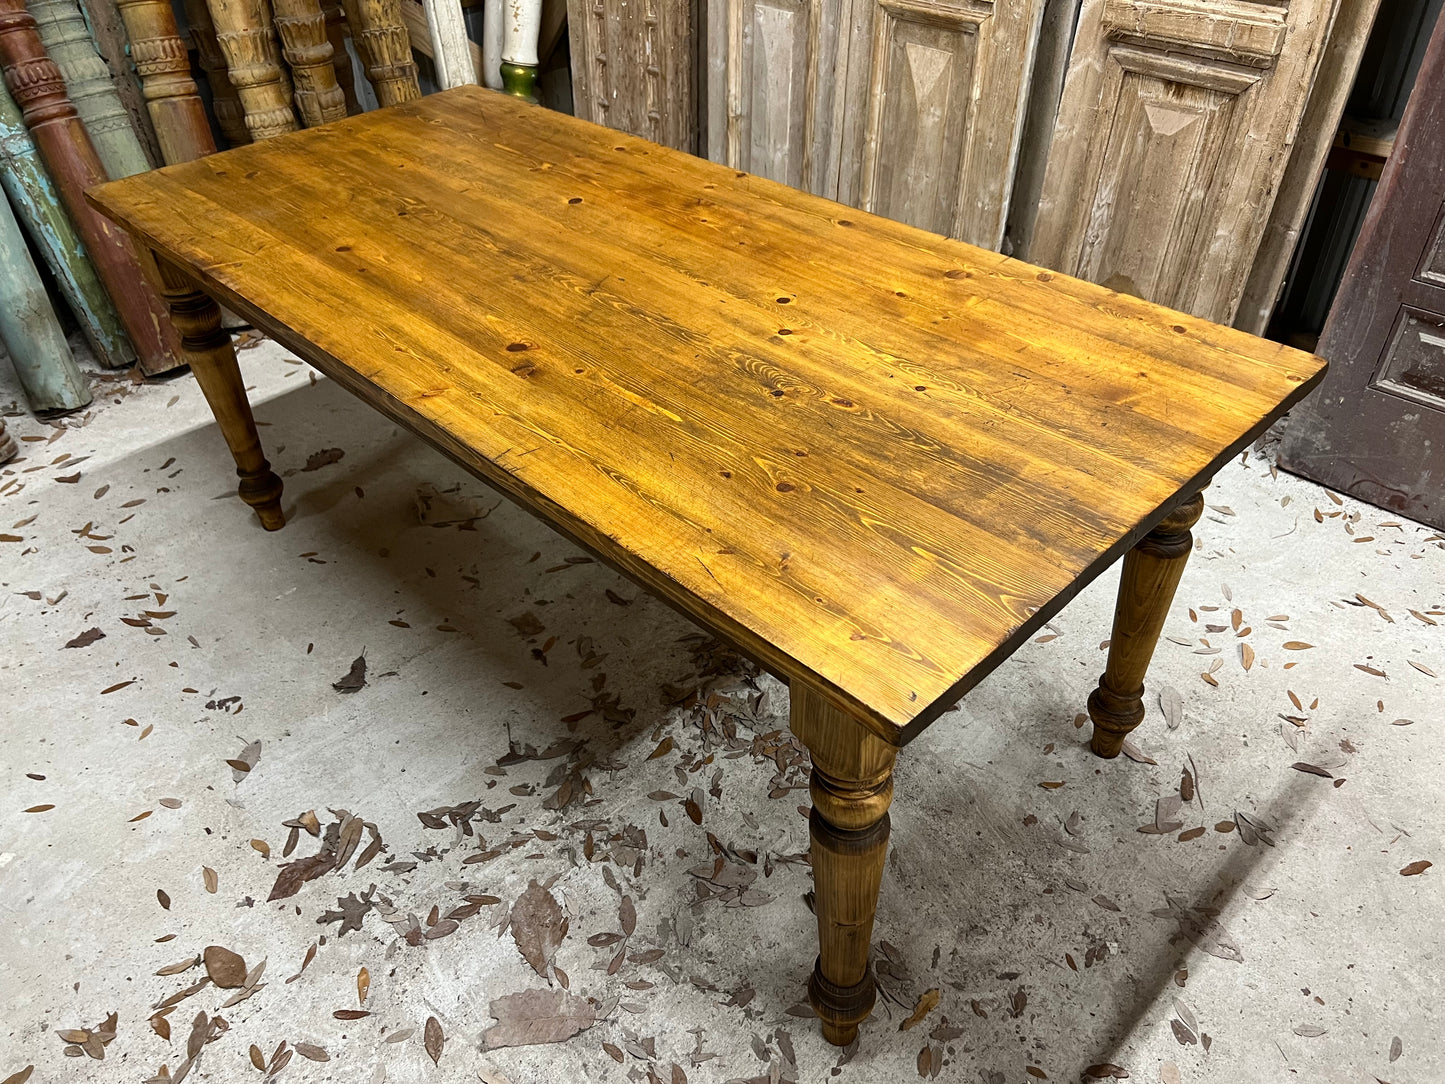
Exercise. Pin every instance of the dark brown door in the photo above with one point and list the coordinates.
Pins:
(1376, 426)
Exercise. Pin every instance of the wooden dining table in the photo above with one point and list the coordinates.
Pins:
(874, 459)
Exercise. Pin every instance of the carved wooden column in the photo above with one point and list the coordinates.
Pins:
(385, 49)
(171, 97)
(246, 37)
(1146, 589)
(340, 58)
(31, 334)
(37, 205)
(302, 27)
(88, 85)
(225, 103)
(207, 347)
(852, 788)
(39, 90)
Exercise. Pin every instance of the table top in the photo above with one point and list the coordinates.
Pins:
(874, 458)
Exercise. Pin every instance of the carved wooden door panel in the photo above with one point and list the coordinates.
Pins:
(1171, 142)
(908, 108)
(934, 103)
(1376, 426)
(772, 88)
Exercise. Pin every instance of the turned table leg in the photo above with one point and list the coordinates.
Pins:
(207, 348)
(1151, 574)
(851, 787)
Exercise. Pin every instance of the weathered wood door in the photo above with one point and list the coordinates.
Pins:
(1376, 426)
(1172, 139)
(908, 108)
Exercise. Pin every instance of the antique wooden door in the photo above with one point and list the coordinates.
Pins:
(1376, 426)
(1172, 138)
(908, 108)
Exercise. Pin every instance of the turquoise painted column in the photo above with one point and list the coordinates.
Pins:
(87, 81)
(28, 327)
(39, 208)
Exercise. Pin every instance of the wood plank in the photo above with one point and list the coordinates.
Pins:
(1334, 80)
(874, 458)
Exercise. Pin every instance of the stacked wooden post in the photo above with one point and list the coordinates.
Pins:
(385, 49)
(253, 59)
(37, 203)
(340, 58)
(225, 102)
(87, 83)
(302, 26)
(39, 90)
(29, 329)
(171, 95)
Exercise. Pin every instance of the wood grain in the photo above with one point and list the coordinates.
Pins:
(851, 787)
(164, 67)
(1146, 588)
(73, 164)
(873, 458)
(1171, 142)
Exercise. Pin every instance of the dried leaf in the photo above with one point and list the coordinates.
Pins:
(209, 876)
(90, 636)
(537, 1016)
(1397, 1047)
(1297, 645)
(363, 984)
(927, 1002)
(1171, 703)
(225, 968)
(433, 1039)
(311, 1052)
(1415, 867)
(1312, 769)
(355, 677)
(1309, 1031)
(538, 926)
(663, 748)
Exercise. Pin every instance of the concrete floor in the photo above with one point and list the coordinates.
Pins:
(1058, 935)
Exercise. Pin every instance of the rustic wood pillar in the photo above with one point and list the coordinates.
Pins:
(39, 90)
(171, 96)
(88, 85)
(213, 359)
(852, 788)
(103, 19)
(385, 49)
(37, 205)
(1146, 589)
(247, 39)
(302, 27)
(340, 57)
(225, 103)
(32, 335)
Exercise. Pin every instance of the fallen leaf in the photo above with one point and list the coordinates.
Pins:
(90, 636)
(927, 1002)
(1397, 1047)
(323, 458)
(225, 968)
(209, 876)
(537, 1016)
(1311, 769)
(311, 1052)
(1309, 1031)
(1297, 645)
(355, 677)
(433, 1039)
(538, 926)
(363, 984)
(1415, 867)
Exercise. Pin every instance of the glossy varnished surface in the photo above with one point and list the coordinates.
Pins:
(874, 458)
